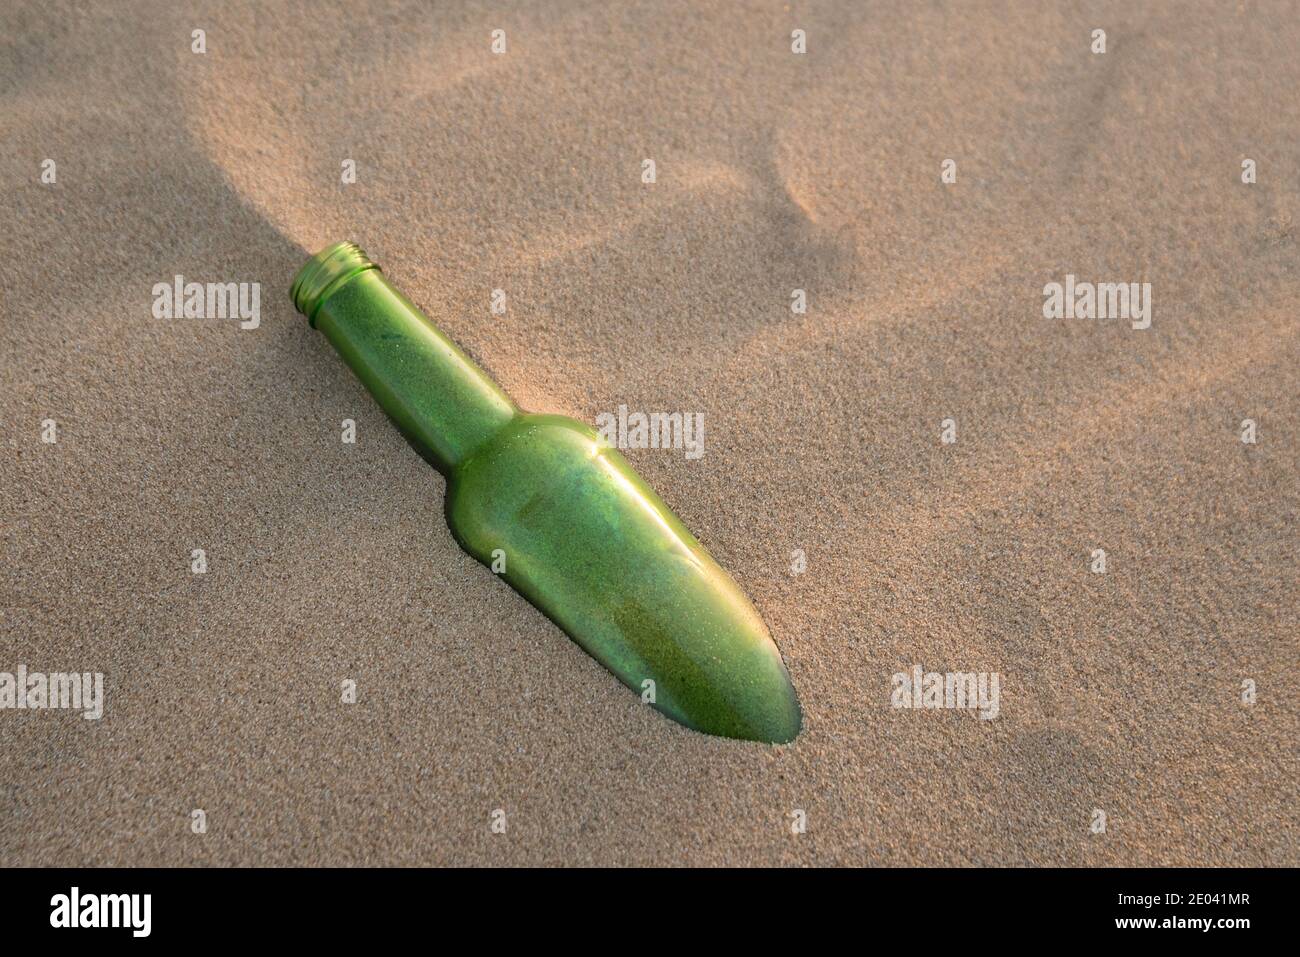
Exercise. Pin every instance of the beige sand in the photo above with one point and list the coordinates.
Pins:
(1120, 692)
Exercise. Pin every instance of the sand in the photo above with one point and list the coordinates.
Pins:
(522, 171)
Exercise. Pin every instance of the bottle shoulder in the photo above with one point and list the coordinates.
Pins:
(532, 450)
(545, 463)
(531, 434)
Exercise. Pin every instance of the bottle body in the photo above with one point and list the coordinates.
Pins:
(578, 533)
(563, 518)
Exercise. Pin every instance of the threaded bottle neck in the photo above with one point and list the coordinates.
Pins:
(325, 272)
(435, 393)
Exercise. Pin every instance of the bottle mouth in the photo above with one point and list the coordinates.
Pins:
(325, 272)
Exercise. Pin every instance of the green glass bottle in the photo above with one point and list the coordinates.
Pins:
(584, 539)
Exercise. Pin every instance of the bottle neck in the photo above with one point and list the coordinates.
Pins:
(444, 403)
